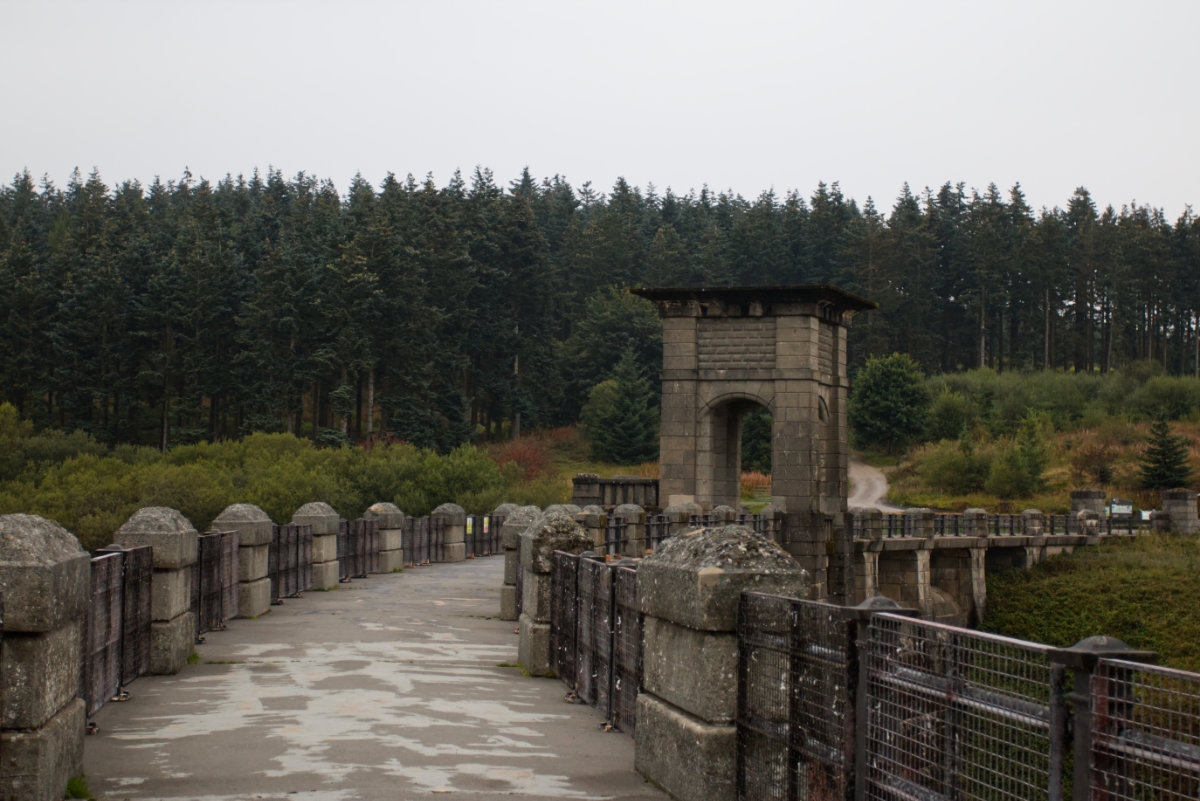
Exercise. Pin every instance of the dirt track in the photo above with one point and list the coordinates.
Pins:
(868, 488)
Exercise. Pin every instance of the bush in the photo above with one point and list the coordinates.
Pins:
(953, 468)
(888, 403)
(950, 414)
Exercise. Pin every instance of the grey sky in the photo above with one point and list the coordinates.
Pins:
(743, 96)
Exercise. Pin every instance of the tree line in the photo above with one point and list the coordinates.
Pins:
(188, 310)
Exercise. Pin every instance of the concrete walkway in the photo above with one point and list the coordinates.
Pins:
(393, 687)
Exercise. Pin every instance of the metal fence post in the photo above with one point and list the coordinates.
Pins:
(1081, 658)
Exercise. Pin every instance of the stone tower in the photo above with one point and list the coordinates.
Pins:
(728, 350)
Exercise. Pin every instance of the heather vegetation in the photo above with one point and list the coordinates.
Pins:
(1110, 589)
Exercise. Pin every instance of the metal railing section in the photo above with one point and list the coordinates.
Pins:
(960, 714)
(102, 635)
(593, 665)
(1145, 732)
(796, 699)
(564, 585)
(626, 647)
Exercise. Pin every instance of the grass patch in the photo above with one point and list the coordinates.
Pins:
(77, 787)
(193, 658)
(1142, 591)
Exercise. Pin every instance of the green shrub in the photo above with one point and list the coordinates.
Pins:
(951, 468)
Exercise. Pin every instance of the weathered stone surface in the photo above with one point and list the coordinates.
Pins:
(690, 759)
(251, 523)
(254, 597)
(391, 561)
(554, 532)
(35, 764)
(535, 600)
(451, 512)
(170, 594)
(45, 574)
(318, 514)
(508, 602)
(324, 548)
(505, 509)
(171, 643)
(512, 561)
(515, 524)
(41, 675)
(565, 508)
(388, 515)
(254, 561)
(533, 647)
(166, 530)
(693, 670)
(694, 579)
(455, 552)
(630, 513)
(391, 539)
(325, 575)
(724, 514)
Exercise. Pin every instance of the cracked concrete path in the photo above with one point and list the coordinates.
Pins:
(396, 686)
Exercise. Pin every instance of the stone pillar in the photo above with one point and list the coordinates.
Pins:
(391, 533)
(254, 529)
(680, 515)
(557, 531)
(723, 515)
(689, 589)
(974, 523)
(635, 528)
(918, 523)
(173, 625)
(595, 523)
(1033, 523)
(1088, 500)
(515, 522)
(867, 546)
(45, 576)
(455, 520)
(324, 521)
(1180, 504)
(586, 489)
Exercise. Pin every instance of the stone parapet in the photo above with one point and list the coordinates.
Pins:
(45, 580)
(1180, 506)
(324, 521)
(254, 529)
(391, 534)
(173, 626)
(556, 531)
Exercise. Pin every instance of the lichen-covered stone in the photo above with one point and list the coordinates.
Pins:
(691, 759)
(515, 524)
(388, 515)
(41, 675)
(35, 764)
(505, 509)
(557, 531)
(45, 574)
(166, 530)
(566, 508)
(320, 515)
(724, 514)
(452, 512)
(251, 523)
(694, 670)
(630, 513)
(696, 578)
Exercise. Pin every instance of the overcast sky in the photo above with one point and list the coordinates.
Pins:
(746, 95)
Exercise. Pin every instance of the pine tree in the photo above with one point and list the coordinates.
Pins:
(1165, 461)
(627, 432)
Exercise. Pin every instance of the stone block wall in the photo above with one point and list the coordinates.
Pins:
(254, 529)
(516, 519)
(391, 535)
(45, 576)
(324, 521)
(685, 740)
(454, 517)
(173, 625)
(555, 531)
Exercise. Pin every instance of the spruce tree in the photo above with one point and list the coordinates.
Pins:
(627, 432)
(1165, 461)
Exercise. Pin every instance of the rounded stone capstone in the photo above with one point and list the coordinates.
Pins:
(166, 530)
(556, 531)
(682, 511)
(516, 523)
(451, 511)
(252, 524)
(695, 579)
(505, 509)
(725, 513)
(569, 508)
(629, 512)
(388, 515)
(320, 515)
(45, 574)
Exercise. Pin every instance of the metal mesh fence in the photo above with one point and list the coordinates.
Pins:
(616, 537)
(370, 545)
(416, 540)
(593, 669)
(229, 574)
(305, 537)
(796, 685)
(563, 614)
(343, 552)
(207, 592)
(136, 608)
(658, 528)
(437, 539)
(1145, 732)
(102, 634)
(483, 535)
(959, 714)
(626, 647)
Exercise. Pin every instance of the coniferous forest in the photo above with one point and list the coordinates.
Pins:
(188, 310)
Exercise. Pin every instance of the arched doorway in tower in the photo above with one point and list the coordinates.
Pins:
(740, 429)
